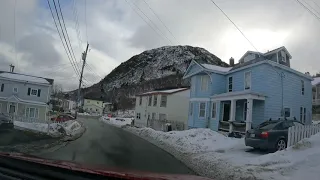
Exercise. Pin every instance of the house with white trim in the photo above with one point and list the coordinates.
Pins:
(25, 96)
(240, 97)
(162, 105)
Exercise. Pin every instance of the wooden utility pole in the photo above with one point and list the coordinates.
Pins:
(84, 58)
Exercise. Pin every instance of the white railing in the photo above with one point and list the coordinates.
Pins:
(297, 133)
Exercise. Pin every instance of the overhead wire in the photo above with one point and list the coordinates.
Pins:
(66, 32)
(92, 69)
(146, 21)
(64, 46)
(85, 16)
(160, 20)
(234, 25)
(307, 9)
(316, 12)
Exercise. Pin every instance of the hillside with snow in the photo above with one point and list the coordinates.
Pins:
(152, 69)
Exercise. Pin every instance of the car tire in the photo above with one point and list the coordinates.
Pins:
(281, 145)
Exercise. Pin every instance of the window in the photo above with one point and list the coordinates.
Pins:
(163, 101)
(230, 79)
(140, 100)
(287, 112)
(138, 115)
(97, 102)
(32, 112)
(2, 87)
(150, 100)
(162, 117)
(202, 109)
(15, 90)
(247, 80)
(96, 109)
(155, 100)
(153, 115)
(303, 114)
(245, 109)
(302, 87)
(191, 109)
(34, 92)
(283, 56)
(204, 82)
(213, 110)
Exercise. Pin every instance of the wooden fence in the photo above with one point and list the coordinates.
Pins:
(297, 133)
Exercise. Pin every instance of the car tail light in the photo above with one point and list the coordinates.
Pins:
(264, 134)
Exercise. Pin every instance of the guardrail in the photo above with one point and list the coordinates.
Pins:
(297, 133)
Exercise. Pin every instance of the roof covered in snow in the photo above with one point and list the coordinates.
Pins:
(216, 68)
(24, 77)
(315, 81)
(165, 91)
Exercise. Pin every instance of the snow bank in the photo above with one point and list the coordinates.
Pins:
(214, 155)
(119, 122)
(71, 128)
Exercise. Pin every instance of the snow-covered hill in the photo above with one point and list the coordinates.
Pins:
(156, 68)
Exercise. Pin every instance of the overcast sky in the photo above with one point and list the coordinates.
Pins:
(115, 32)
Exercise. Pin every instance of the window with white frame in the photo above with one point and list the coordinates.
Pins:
(138, 115)
(32, 112)
(162, 117)
(230, 83)
(15, 90)
(247, 80)
(155, 100)
(213, 110)
(163, 101)
(202, 109)
(302, 114)
(302, 87)
(191, 108)
(34, 92)
(204, 83)
(287, 112)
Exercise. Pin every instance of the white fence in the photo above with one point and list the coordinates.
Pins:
(297, 133)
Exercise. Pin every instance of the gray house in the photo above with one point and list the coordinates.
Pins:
(25, 96)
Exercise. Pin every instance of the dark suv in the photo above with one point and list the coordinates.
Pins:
(271, 135)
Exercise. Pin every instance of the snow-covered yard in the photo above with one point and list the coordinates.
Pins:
(216, 156)
(70, 127)
(116, 121)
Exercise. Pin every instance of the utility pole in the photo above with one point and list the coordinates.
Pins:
(84, 58)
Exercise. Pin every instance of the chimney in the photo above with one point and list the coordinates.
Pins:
(231, 61)
(11, 68)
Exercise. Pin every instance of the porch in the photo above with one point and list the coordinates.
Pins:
(239, 110)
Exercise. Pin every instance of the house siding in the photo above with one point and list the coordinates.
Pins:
(198, 122)
(258, 112)
(198, 92)
(218, 85)
(22, 111)
(214, 123)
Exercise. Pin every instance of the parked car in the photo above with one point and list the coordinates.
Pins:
(270, 135)
(5, 121)
(63, 118)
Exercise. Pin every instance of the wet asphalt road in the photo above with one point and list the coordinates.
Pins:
(112, 147)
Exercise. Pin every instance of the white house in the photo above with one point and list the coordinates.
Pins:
(162, 105)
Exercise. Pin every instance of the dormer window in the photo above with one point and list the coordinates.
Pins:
(283, 56)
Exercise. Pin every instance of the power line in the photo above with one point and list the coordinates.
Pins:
(234, 24)
(316, 12)
(76, 25)
(145, 21)
(92, 69)
(64, 46)
(85, 15)
(311, 12)
(160, 20)
(316, 3)
(64, 25)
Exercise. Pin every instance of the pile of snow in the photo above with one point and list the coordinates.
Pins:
(84, 114)
(70, 127)
(214, 155)
(116, 121)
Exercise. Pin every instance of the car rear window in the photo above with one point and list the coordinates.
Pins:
(268, 125)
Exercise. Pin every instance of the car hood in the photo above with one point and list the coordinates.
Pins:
(118, 173)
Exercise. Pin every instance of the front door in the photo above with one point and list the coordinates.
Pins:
(226, 112)
(12, 109)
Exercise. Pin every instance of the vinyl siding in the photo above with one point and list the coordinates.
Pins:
(22, 111)
(198, 92)
(214, 123)
(219, 84)
(258, 112)
(198, 122)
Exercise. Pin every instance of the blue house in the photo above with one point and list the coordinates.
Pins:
(240, 97)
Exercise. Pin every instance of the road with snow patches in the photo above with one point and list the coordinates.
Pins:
(111, 147)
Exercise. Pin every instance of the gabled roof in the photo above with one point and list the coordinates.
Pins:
(253, 52)
(316, 81)
(165, 91)
(25, 78)
(216, 68)
(277, 50)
